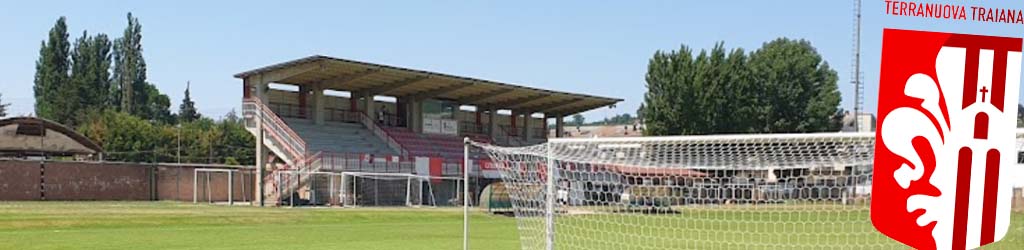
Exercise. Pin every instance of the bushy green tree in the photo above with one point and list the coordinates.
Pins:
(157, 107)
(799, 90)
(51, 75)
(125, 137)
(784, 86)
(578, 120)
(620, 119)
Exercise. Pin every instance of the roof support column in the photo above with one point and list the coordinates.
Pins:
(416, 115)
(318, 105)
(261, 150)
(512, 117)
(304, 101)
(526, 127)
(369, 107)
(492, 122)
(559, 125)
(479, 122)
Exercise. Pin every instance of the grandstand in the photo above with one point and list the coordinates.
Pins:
(329, 115)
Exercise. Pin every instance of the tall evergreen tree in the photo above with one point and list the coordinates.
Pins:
(187, 111)
(90, 74)
(52, 73)
(130, 69)
(137, 96)
(3, 107)
(1020, 117)
(640, 113)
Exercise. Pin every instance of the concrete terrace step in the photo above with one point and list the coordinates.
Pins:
(339, 138)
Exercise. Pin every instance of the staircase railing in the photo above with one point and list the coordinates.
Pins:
(384, 135)
(508, 138)
(278, 130)
(286, 140)
(283, 186)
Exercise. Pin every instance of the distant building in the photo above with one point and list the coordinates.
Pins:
(36, 137)
(866, 122)
(589, 131)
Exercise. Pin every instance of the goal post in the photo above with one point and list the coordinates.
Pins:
(772, 191)
(366, 189)
(219, 185)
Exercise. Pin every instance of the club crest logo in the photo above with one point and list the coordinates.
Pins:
(945, 141)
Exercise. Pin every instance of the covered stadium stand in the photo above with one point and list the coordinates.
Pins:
(307, 110)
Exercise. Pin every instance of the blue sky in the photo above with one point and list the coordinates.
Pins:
(590, 47)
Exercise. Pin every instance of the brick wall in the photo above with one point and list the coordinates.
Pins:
(33, 180)
(19, 180)
(95, 181)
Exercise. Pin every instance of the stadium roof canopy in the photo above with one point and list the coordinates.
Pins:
(33, 136)
(362, 78)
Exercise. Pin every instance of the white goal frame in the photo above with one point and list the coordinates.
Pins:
(231, 186)
(338, 185)
(346, 187)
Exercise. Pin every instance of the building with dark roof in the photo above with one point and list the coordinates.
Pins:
(30, 136)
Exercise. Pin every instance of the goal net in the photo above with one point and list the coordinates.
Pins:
(781, 191)
(221, 186)
(398, 189)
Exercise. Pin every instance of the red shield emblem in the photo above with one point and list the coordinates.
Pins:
(945, 142)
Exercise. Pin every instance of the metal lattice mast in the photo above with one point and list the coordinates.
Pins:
(858, 86)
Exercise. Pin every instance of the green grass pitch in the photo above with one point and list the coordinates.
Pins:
(168, 225)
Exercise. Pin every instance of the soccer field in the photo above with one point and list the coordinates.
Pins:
(166, 225)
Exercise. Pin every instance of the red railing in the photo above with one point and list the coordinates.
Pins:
(339, 162)
(473, 128)
(390, 120)
(384, 135)
(508, 138)
(341, 115)
(277, 128)
(539, 133)
(289, 110)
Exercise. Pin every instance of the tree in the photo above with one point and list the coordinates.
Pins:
(784, 86)
(130, 71)
(3, 107)
(90, 76)
(187, 111)
(232, 116)
(799, 89)
(156, 107)
(51, 75)
(130, 90)
(129, 138)
(578, 120)
(1020, 115)
(640, 113)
